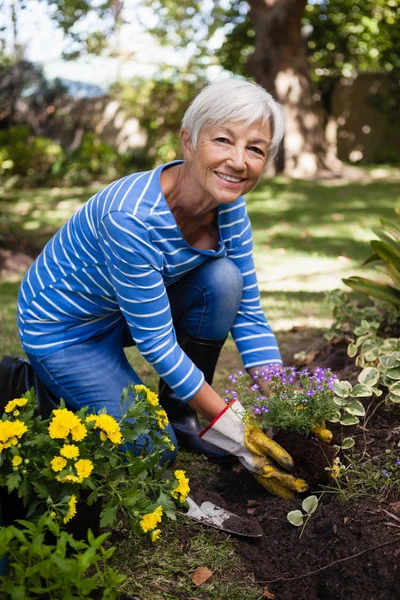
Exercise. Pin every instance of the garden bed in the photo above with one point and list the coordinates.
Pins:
(348, 550)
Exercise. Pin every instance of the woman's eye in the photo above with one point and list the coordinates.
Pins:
(222, 139)
(257, 150)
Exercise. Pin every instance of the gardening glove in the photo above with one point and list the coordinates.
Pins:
(233, 432)
(322, 432)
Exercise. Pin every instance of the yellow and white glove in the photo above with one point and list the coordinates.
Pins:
(233, 432)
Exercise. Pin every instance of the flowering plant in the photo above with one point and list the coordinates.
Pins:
(295, 400)
(53, 464)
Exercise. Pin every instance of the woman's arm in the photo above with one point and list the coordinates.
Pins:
(207, 402)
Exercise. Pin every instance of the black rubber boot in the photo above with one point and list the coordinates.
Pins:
(17, 377)
(183, 418)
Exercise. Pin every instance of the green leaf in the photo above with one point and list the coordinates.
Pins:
(361, 391)
(295, 517)
(342, 388)
(389, 252)
(393, 373)
(13, 481)
(394, 399)
(371, 355)
(310, 504)
(369, 376)
(395, 388)
(349, 420)
(354, 407)
(108, 516)
(347, 443)
(336, 418)
(352, 350)
(390, 361)
(376, 290)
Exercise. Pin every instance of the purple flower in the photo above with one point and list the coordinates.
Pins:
(255, 387)
(397, 463)
(386, 473)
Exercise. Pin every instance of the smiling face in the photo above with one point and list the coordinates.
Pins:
(228, 160)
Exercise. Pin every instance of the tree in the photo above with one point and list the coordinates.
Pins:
(279, 63)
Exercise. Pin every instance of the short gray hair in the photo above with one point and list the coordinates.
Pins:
(234, 100)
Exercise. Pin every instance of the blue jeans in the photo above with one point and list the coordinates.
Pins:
(204, 303)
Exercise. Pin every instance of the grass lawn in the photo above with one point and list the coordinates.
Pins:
(308, 235)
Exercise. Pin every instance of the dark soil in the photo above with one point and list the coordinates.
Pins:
(347, 551)
(311, 457)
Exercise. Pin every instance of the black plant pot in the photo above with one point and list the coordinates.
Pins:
(87, 517)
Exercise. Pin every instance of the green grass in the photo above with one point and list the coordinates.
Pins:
(308, 235)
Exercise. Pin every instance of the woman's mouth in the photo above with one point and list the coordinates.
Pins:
(228, 178)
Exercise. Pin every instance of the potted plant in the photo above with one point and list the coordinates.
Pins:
(54, 467)
(293, 408)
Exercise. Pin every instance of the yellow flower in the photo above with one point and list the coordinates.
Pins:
(151, 520)
(69, 451)
(58, 463)
(16, 461)
(71, 509)
(181, 492)
(65, 422)
(13, 404)
(151, 397)
(84, 467)
(168, 442)
(155, 534)
(10, 432)
(162, 418)
(69, 479)
(109, 427)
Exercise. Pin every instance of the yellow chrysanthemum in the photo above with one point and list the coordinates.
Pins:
(58, 463)
(151, 520)
(168, 442)
(65, 422)
(69, 451)
(69, 479)
(162, 418)
(71, 509)
(155, 534)
(181, 492)
(10, 432)
(84, 467)
(13, 404)
(151, 397)
(109, 427)
(16, 461)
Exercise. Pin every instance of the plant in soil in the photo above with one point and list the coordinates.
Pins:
(296, 408)
(52, 465)
(298, 518)
(66, 568)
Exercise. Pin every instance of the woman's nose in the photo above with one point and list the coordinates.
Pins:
(237, 158)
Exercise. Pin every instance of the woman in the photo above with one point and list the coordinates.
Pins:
(163, 258)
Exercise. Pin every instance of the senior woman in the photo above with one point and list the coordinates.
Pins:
(164, 258)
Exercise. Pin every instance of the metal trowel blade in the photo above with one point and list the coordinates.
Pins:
(215, 516)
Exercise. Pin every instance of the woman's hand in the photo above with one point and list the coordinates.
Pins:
(256, 451)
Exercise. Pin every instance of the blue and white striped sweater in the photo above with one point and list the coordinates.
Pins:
(116, 255)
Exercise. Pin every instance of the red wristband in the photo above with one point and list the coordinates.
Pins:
(215, 419)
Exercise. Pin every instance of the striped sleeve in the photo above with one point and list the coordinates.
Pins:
(251, 331)
(135, 269)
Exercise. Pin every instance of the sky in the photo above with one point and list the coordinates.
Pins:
(44, 44)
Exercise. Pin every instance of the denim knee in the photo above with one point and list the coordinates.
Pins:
(225, 285)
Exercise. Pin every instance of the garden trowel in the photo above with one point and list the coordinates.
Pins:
(215, 516)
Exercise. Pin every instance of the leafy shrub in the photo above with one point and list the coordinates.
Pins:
(25, 155)
(386, 252)
(94, 159)
(64, 569)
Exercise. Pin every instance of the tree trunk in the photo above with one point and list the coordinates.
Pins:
(279, 63)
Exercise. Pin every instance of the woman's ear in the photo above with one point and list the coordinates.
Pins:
(187, 146)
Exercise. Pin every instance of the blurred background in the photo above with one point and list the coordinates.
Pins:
(91, 90)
